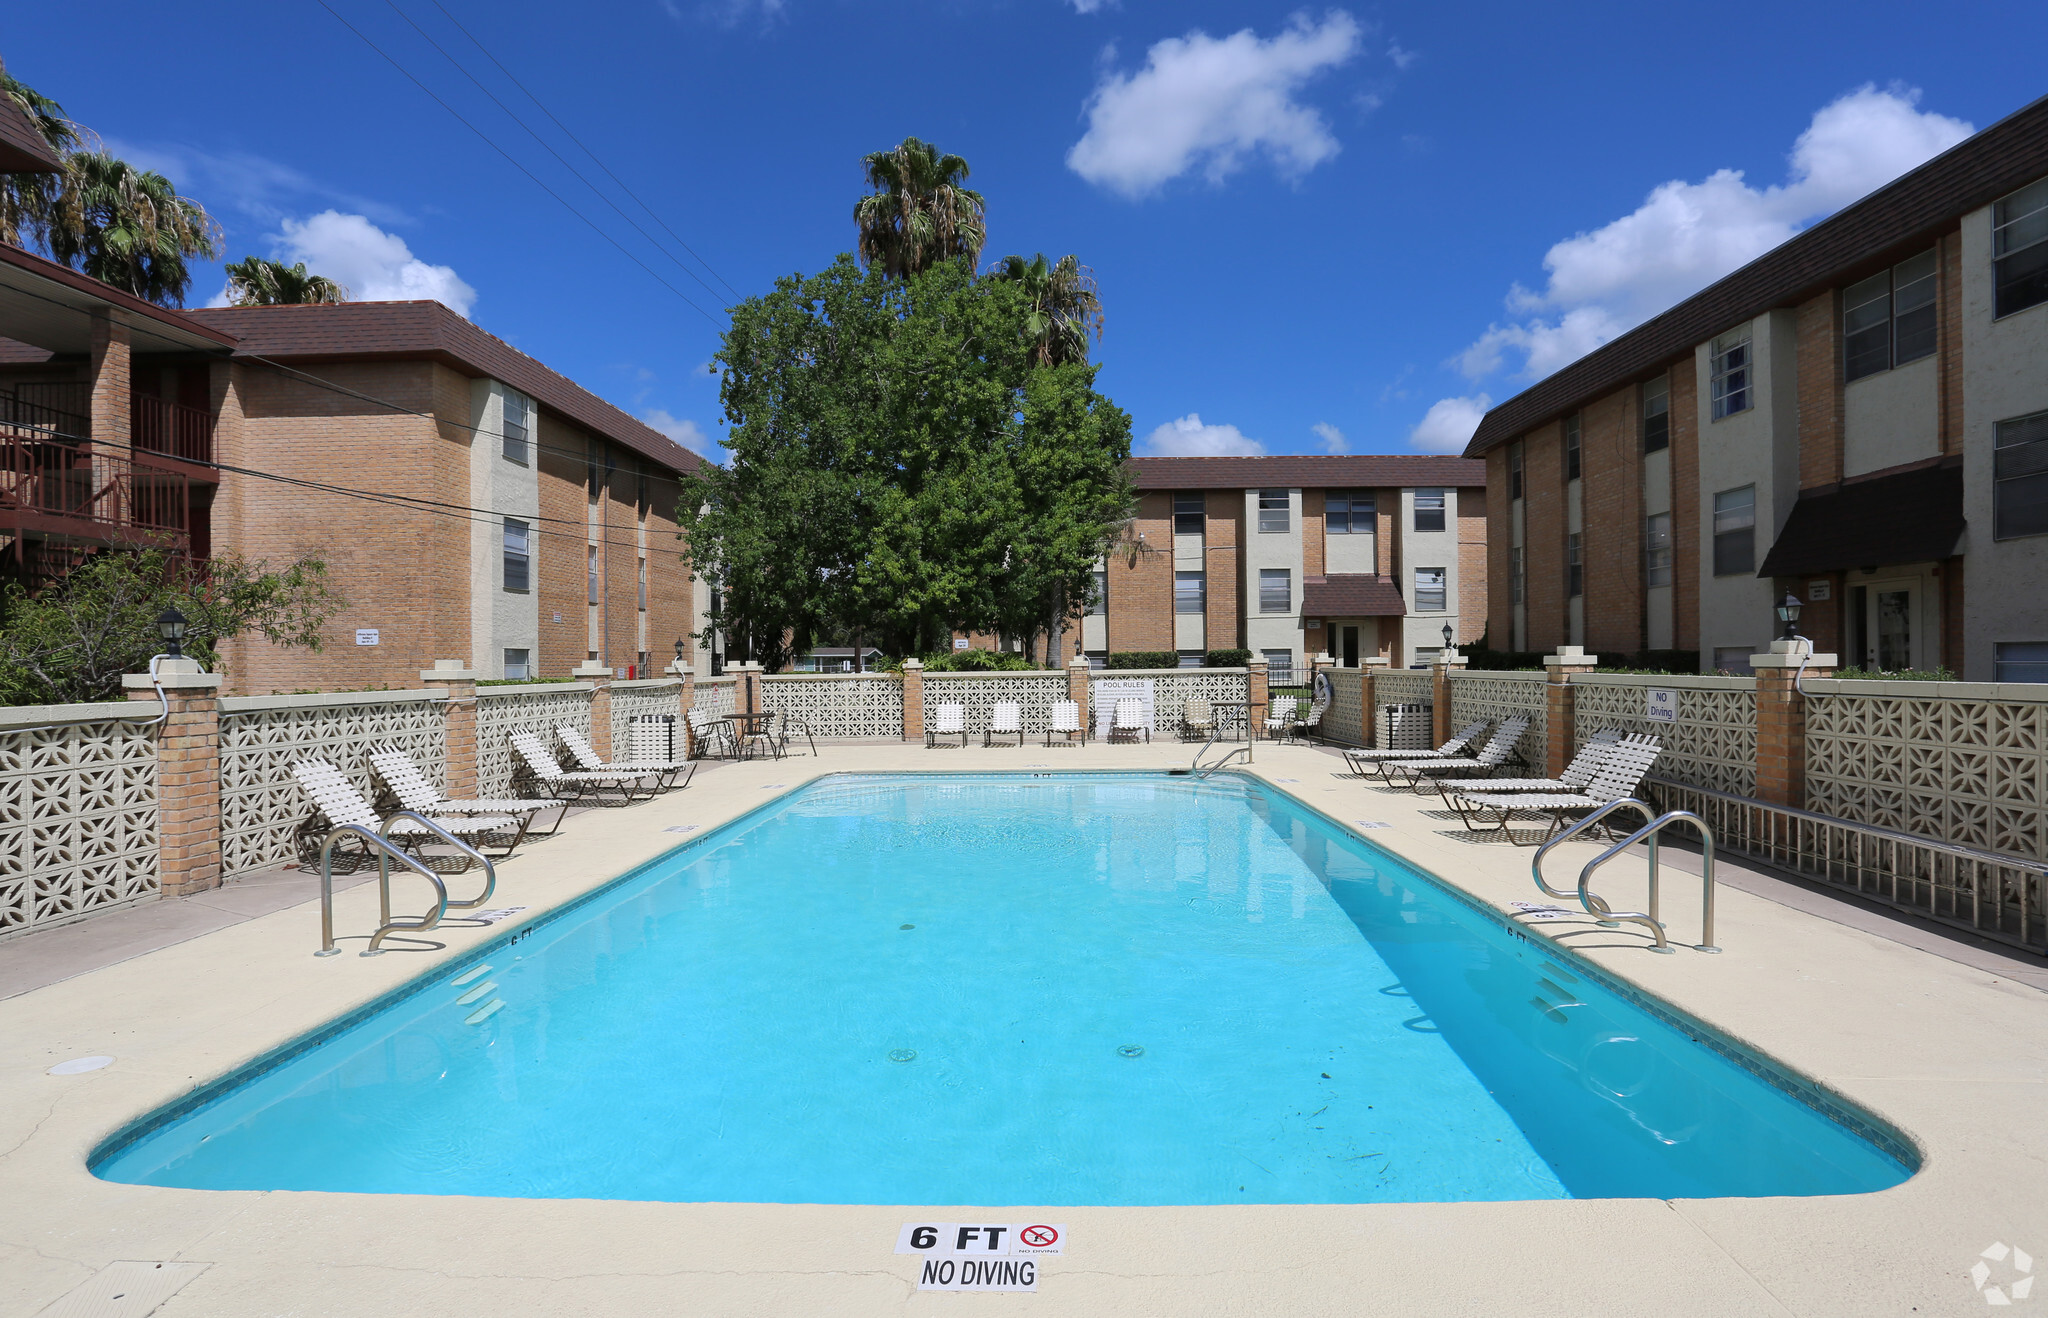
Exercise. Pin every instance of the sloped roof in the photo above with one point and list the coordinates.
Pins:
(423, 330)
(22, 148)
(48, 307)
(1362, 471)
(1351, 595)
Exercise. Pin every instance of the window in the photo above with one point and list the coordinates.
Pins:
(1515, 573)
(1429, 510)
(1098, 660)
(1190, 592)
(643, 585)
(1657, 550)
(1348, 512)
(1429, 590)
(590, 574)
(1187, 514)
(2020, 661)
(517, 418)
(1192, 658)
(1657, 414)
(1279, 667)
(1574, 566)
(518, 664)
(1731, 374)
(1515, 470)
(518, 557)
(1098, 598)
(2019, 478)
(1273, 510)
(1734, 659)
(1276, 590)
(1888, 319)
(2019, 250)
(1571, 447)
(1735, 532)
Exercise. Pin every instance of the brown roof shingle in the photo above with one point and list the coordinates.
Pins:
(22, 148)
(1910, 211)
(1351, 595)
(371, 331)
(1361, 471)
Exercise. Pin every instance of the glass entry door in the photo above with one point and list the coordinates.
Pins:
(1347, 646)
(1891, 626)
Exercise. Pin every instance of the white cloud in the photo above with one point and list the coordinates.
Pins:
(1402, 58)
(1333, 438)
(685, 432)
(1687, 235)
(374, 265)
(1191, 437)
(243, 181)
(1449, 423)
(1207, 103)
(1088, 6)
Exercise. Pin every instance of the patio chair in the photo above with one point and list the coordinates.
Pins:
(1620, 775)
(1006, 719)
(662, 773)
(712, 735)
(1311, 723)
(1574, 778)
(1413, 773)
(1281, 716)
(1372, 764)
(339, 802)
(574, 783)
(1197, 720)
(947, 720)
(1128, 721)
(782, 727)
(413, 791)
(1064, 721)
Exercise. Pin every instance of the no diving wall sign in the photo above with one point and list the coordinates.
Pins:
(977, 1256)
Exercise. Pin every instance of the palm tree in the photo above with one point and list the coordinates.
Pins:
(129, 227)
(919, 214)
(255, 282)
(1064, 305)
(29, 201)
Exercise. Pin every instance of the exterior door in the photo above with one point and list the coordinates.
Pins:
(1347, 646)
(1891, 629)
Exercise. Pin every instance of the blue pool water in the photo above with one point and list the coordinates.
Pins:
(1012, 989)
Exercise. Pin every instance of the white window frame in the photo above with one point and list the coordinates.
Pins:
(2019, 453)
(1725, 523)
(1434, 581)
(1734, 382)
(1657, 406)
(516, 428)
(1355, 504)
(517, 546)
(1198, 596)
(1268, 577)
(524, 663)
(1276, 513)
(2024, 231)
(1199, 511)
(1431, 498)
(1657, 550)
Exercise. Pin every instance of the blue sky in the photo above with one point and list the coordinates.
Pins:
(1317, 230)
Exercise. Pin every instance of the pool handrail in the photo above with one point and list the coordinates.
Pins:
(1598, 906)
(490, 870)
(1580, 826)
(386, 850)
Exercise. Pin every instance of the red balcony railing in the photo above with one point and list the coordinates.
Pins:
(54, 482)
(172, 429)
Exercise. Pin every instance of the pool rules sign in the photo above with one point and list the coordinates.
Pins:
(975, 1256)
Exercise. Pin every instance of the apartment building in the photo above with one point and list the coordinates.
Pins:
(1291, 557)
(470, 502)
(1858, 418)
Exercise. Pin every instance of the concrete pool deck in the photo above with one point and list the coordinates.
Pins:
(1954, 1055)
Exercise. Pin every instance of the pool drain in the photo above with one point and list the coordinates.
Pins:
(1130, 1050)
(903, 1054)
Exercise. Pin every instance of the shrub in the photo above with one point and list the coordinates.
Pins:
(1144, 659)
(1227, 659)
(977, 661)
(1896, 675)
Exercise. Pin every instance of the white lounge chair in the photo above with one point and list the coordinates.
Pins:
(1281, 716)
(1128, 721)
(338, 800)
(1064, 721)
(1372, 764)
(573, 783)
(948, 720)
(781, 727)
(712, 734)
(1413, 773)
(1574, 778)
(1197, 720)
(1620, 774)
(661, 772)
(410, 785)
(1005, 719)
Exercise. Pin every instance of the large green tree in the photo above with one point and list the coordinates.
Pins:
(130, 227)
(255, 282)
(919, 213)
(1064, 305)
(28, 202)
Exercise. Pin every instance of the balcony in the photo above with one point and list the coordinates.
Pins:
(58, 491)
(172, 429)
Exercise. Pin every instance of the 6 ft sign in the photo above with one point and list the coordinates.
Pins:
(980, 1256)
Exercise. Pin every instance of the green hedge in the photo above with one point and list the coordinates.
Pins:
(1144, 659)
(977, 661)
(1227, 659)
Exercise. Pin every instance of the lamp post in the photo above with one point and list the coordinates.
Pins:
(1449, 634)
(170, 624)
(1788, 613)
(679, 652)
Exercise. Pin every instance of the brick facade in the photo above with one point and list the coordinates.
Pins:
(1141, 584)
(1611, 504)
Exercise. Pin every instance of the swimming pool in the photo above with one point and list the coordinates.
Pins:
(1109, 989)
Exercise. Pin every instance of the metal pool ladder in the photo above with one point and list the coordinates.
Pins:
(1598, 907)
(380, 841)
(1200, 770)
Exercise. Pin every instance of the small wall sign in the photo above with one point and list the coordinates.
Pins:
(1816, 591)
(1661, 706)
(366, 636)
(959, 642)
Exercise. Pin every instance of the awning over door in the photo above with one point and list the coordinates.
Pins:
(1913, 517)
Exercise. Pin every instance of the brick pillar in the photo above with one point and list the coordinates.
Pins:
(458, 724)
(1781, 720)
(187, 775)
(1372, 668)
(1440, 692)
(1560, 705)
(113, 418)
(913, 700)
(1256, 697)
(600, 679)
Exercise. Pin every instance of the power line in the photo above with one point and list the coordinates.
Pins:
(514, 162)
(656, 242)
(652, 213)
